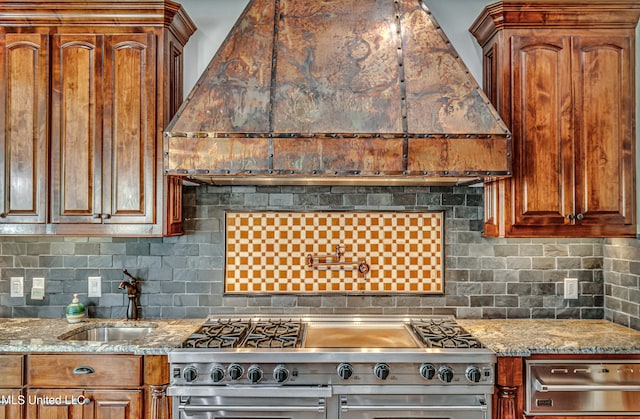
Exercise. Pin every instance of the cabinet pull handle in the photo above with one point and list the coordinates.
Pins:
(83, 370)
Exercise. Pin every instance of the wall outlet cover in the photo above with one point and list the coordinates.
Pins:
(571, 288)
(17, 286)
(95, 286)
(37, 290)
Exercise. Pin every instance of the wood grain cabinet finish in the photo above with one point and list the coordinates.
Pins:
(91, 404)
(561, 76)
(103, 129)
(24, 98)
(115, 386)
(87, 89)
(85, 386)
(11, 386)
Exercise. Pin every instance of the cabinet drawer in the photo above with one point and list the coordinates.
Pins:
(11, 371)
(66, 370)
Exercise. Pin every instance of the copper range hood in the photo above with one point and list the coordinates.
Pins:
(333, 92)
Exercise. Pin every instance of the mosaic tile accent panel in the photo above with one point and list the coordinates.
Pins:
(271, 252)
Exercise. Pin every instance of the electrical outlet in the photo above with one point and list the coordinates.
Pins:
(571, 288)
(17, 286)
(95, 287)
(37, 290)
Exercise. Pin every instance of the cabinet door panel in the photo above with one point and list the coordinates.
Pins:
(604, 134)
(541, 128)
(54, 404)
(23, 128)
(11, 404)
(129, 141)
(113, 404)
(76, 128)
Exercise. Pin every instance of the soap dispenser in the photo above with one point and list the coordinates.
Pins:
(75, 311)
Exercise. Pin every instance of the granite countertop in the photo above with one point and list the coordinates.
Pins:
(41, 335)
(527, 337)
(505, 337)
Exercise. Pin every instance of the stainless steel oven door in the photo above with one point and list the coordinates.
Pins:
(432, 406)
(254, 403)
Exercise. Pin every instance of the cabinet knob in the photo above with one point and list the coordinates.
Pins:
(3, 215)
(571, 217)
(106, 216)
(580, 216)
(97, 215)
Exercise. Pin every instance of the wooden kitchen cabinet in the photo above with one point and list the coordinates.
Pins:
(87, 89)
(75, 404)
(97, 386)
(11, 386)
(85, 386)
(561, 76)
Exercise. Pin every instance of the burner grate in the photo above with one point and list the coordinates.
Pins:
(444, 333)
(245, 333)
(219, 334)
(274, 334)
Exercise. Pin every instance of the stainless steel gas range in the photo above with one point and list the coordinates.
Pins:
(347, 368)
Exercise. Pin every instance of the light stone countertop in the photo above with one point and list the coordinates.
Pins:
(41, 335)
(527, 337)
(505, 337)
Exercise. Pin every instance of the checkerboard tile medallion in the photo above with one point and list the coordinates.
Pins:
(266, 252)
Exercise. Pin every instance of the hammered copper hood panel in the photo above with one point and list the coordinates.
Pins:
(324, 91)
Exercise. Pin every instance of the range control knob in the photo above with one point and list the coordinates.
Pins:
(345, 371)
(280, 374)
(427, 371)
(217, 373)
(473, 374)
(445, 374)
(190, 374)
(254, 374)
(381, 370)
(235, 371)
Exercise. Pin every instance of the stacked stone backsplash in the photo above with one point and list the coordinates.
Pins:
(184, 276)
(622, 281)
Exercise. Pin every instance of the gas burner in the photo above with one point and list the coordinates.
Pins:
(443, 333)
(274, 334)
(245, 333)
(219, 334)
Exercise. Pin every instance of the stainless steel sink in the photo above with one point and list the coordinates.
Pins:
(107, 333)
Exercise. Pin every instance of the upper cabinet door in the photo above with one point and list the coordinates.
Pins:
(129, 143)
(76, 124)
(541, 124)
(23, 128)
(604, 130)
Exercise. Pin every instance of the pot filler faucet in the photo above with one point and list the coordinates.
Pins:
(132, 293)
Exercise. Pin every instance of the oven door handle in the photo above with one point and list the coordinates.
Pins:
(320, 408)
(346, 407)
(255, 391)
(545, 388)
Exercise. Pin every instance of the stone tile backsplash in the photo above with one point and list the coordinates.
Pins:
(622, 281)
(184, 276)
